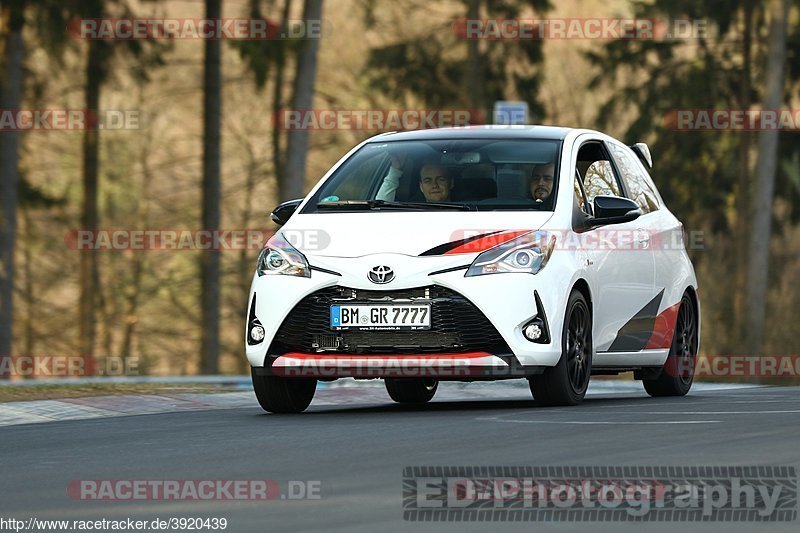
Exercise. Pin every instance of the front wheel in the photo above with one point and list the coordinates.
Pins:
(567, 382)
(283, 395)
(677, 375)
(411, 390)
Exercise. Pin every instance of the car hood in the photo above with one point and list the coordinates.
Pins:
(408, 233)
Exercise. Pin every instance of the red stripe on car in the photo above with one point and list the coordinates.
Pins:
(663, 328)
(485, 243)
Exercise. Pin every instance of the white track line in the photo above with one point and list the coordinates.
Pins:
(599, 422)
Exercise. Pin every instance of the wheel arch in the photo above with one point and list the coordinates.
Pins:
(582, 286)
(695, 299)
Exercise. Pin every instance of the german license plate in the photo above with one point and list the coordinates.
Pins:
(377, 317)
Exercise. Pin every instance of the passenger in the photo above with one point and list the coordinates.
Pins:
(392, 179)
(435, 182)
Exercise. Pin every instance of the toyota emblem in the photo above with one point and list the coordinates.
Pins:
(381, 274)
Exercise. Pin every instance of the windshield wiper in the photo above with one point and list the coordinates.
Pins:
(438, 205)
(366, 205)
(347, 204)
(385, 204)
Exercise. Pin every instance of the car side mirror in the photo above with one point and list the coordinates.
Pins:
(614, 210)
(281, 214)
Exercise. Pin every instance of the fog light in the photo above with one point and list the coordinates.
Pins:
(257, 333)
(532, 332)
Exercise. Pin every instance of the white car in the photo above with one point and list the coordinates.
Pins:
(475, 253)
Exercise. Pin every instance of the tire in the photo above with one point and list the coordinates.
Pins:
(411, 390)
(283, 395)
(677, 375)
(567, 382)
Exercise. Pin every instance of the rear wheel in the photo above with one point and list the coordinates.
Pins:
(678, 373)
(566, 383)
(411, 390)
(283, 395)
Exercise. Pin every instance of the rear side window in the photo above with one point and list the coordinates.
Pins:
(638, 184)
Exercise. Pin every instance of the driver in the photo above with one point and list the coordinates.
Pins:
(541, 182)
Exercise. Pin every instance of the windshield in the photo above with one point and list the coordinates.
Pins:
(478, 175)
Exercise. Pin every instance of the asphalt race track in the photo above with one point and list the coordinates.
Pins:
(356, 442)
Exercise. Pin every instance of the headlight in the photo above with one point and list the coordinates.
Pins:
(527, 254)
(280, 257)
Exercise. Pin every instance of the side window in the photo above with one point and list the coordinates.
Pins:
(639, 186)
(583, 203)
(595, 169)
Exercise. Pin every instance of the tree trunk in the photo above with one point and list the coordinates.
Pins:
(89, 271)
(474, 75)
(738, 327)
(210, 259)
(245, 266)
(139, 264)
(765, 184)
(277, 100)
(9, 173)
(29, 295)
(292, 184)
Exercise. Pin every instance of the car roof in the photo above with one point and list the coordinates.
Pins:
(478, 132)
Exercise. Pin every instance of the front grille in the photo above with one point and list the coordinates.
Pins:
(457, 326)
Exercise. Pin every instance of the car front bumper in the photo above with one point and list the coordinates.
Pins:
(505, 302)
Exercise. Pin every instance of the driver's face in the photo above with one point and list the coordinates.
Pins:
(434, 184)
(542, 182)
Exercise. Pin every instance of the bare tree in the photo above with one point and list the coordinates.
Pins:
(277, 98)
(765, 179)
(292, 183)
(89, 268)
(210, 260)
(474, 72)
(10, 98)
(744, 187)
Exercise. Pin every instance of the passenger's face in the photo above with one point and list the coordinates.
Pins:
(542, 182)
(434, 184)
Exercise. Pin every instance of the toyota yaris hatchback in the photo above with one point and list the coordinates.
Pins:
(475, 254)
